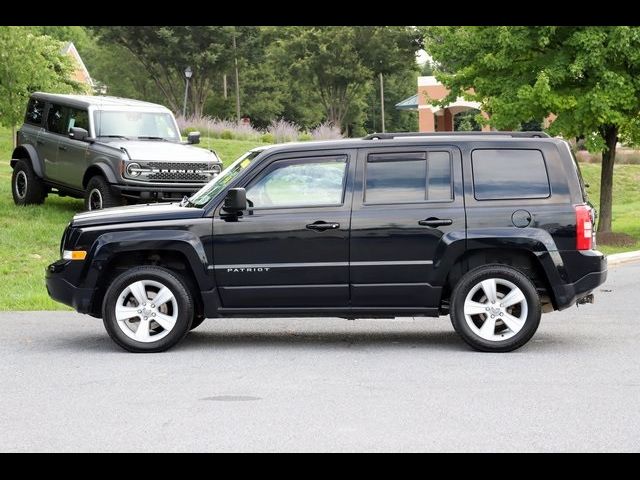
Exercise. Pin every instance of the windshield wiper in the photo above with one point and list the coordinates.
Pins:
(113, 136)
(146, 137)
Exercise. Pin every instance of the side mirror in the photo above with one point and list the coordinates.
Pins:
(235, 201)
(78, 133)
(193, 138)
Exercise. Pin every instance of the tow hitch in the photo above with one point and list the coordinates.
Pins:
(587, 299)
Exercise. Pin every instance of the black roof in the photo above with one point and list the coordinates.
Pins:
(416, 138)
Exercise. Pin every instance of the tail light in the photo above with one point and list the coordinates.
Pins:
(584, 227)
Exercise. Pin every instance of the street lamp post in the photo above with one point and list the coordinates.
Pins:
(187, 74)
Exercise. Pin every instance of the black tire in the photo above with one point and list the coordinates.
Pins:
(183, 300)
(197, 321)
(99, 194)
(497, 271)
(27, 188)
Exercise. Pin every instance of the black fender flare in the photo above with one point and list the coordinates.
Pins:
(453, 246)
(99, 168)
(108, 245)
(31, 154)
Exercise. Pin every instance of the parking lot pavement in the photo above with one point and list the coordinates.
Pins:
(327, 385)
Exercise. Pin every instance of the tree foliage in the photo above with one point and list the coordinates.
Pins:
(586, 76)
(165, 52)
(30, 62)
(339, 62)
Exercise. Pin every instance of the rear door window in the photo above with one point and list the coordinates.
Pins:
(503, 174)
(408, 177)
(57, 119)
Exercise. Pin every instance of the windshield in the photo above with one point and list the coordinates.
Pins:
(215, 186)
(129, 124)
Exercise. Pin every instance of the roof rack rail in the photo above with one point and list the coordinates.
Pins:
(391, 136)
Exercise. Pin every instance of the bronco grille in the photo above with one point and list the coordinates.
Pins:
(178, 171)
(172, 176)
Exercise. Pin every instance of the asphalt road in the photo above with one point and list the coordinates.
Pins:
(327, 385)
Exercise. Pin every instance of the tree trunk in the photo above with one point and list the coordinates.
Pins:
(610, 135)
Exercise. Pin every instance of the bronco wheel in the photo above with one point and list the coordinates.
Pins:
(99, 195)
(26, 187)
(495, 308)
(147, 309)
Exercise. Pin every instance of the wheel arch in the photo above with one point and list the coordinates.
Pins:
(98, 169)
(180, 251)
(27, 152)
(533, 264)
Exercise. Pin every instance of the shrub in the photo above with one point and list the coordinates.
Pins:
(283, 131)
(326, 131)
(267, 138)
(305, 137)
(227, 135)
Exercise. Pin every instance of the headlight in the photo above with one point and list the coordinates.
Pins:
(133, 169)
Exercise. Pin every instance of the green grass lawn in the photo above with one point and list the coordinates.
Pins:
(30, 237)
(626, 201)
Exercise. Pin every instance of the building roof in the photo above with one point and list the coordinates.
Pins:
(81, 73)
(410, 103)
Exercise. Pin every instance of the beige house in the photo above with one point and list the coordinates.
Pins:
(80, 73)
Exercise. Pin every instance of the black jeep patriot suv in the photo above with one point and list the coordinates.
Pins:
(492, 229)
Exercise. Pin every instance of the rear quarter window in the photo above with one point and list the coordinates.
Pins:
(35, 112)
(503, 174)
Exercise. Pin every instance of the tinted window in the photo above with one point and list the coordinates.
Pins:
(408, 177)
(77, 118)
(300, 183)
(439, 176)
(55, 119)
(505, 174)
(35, 111)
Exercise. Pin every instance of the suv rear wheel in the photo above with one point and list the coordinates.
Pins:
(26, 187)
(495, 308)
(147, 309)
(99, 194)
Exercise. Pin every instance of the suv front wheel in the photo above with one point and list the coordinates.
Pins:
(495, 308)
(99, 195)
(26, 187)
(147, 309)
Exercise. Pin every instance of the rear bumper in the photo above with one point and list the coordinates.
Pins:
(62, 290)
(568, 294)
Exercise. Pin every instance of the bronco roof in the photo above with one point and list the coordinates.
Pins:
(97, 101)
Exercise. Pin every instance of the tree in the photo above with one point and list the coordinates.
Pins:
(29, 62)
(587, 76)
(165, 52)
(339, 61)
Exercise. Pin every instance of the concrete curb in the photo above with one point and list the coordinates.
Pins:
(620, 258)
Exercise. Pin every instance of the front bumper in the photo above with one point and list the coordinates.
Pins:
(62, 290)
(157, 192)
(566, 295)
